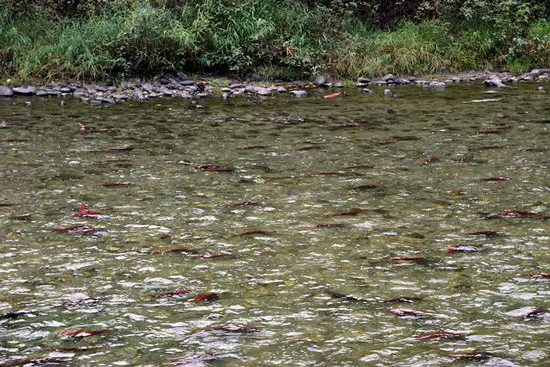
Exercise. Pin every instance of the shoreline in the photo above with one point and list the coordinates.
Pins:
(179, 85)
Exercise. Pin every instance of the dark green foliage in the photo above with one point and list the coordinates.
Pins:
(93, 39)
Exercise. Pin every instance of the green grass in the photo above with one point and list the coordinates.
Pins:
(267, 38)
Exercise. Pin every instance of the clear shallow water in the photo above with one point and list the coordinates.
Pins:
(280, 149)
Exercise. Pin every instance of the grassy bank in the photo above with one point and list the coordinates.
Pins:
(264, 38)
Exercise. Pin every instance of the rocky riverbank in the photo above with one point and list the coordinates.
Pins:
(179, 85)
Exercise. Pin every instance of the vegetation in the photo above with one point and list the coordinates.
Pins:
(99, 39)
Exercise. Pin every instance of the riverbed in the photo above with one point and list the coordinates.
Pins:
(278, 231)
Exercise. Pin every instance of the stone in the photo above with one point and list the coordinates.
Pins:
(181, 76)
(281, 90)
(494, 81)
(5, 91)
(299, 93)
(363, 80)
(264, 92)
(360, 85)
(191, 89)
(225, 90)
(368, 91)
(107, 101)
(250, 89)
(25, 91)
(438, 85)
(41, 93)
(203, 95)
(166, 92)
(389, 78)
(188, 82)
(65, 90)
(537, 72)
(138, 94)
(388, 92)
(338, 85)
(541, 89)
(147, 87)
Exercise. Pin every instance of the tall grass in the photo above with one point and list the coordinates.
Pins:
(269, 38)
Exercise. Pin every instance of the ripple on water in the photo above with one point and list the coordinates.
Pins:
(323, 236)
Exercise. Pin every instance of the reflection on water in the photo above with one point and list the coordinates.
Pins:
(338, 216)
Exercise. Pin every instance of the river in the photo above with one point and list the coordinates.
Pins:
(336, 218)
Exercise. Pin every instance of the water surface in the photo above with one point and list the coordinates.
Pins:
(296, 162)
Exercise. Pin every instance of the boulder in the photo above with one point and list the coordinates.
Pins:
(5, 91)
(25, 91)
(389, 78)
